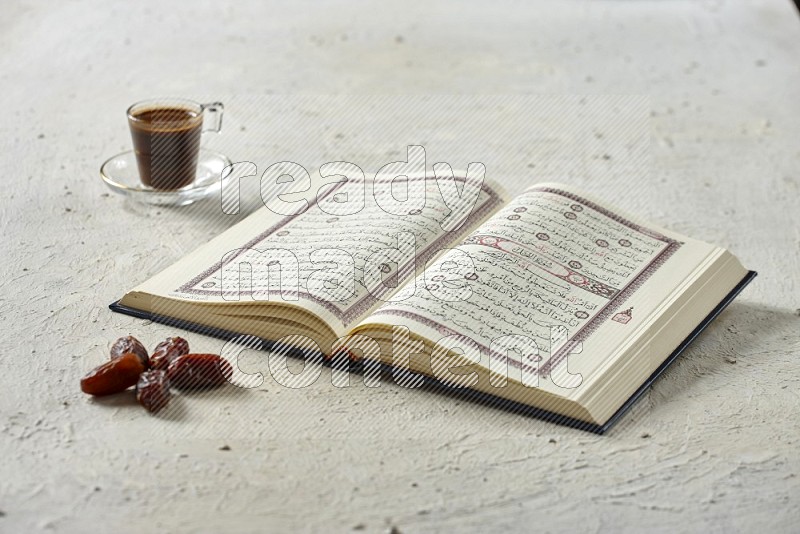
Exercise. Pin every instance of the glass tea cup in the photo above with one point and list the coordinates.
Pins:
(166, 139)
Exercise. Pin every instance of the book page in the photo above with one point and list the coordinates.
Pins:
(341, 257)
(552, 267)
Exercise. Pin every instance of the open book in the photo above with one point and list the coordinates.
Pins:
(552, 299)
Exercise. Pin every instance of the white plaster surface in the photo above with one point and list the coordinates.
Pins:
(713, 447)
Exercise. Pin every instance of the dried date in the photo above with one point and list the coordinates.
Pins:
(113, 376)
(128, 344)
(199, 371)
(166, 351)
(152, 390)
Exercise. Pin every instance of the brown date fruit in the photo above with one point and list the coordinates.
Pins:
(152, 390)
(128, 344)
(113, 376)
(199, 371)
(168, 350)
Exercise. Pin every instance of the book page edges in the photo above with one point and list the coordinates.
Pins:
(608, 389)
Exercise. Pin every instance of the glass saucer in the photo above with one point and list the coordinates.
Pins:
(121, 175)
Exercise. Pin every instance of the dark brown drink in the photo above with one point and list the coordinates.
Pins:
(166, 140)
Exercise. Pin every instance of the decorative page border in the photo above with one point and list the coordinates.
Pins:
(358, 308)
(601, 317)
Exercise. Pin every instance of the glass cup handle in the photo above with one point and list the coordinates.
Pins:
(212, 116)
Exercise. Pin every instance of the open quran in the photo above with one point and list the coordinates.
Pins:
(551, 300)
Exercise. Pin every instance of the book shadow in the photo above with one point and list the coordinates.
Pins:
(743, 333)
(734, 337)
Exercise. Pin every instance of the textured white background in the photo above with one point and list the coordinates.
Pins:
(713, 446)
